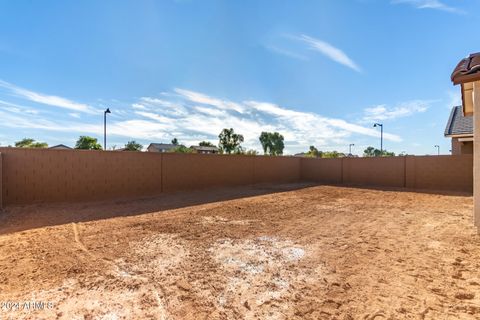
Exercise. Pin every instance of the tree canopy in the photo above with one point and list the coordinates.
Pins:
(87, 143)
(30, 143)
(133, 146)
(206, 144)
(272, 143)
(251, 152)
(333, 154)
(314, 152)
(175, 141)
(183, 149)
(229, 141)
(373, 152)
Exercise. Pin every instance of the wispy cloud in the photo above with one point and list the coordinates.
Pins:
(405, 109)
(430, 4)
(50, 100)
(286, 52)
(329, 51)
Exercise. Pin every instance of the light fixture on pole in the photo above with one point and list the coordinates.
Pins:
(381, 136)
(105, 128)
(350, 148)
(438, 149)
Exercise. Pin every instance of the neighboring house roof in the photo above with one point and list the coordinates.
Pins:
(467, 70)
(301, 154)
(458, 124)
(60, 146)
(204, 148)
(162, 146)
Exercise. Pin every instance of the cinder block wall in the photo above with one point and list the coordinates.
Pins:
(43, 176)
(435, 173)
(440, 173)
(36, 175)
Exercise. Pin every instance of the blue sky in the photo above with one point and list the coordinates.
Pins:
(319, 72)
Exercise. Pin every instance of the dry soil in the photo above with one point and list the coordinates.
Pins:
(281, 252)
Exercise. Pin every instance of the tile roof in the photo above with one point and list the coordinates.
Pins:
(205, 148)
(458, 124)
(467, 70)
(162, 146)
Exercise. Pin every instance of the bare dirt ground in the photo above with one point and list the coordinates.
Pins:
(280, 252)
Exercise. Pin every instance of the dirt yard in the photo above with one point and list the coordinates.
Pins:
(280, 252)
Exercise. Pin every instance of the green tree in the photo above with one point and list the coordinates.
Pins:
(206, 144)
(175, 141)
(373, 152)
(251, 152)
(333, 154)
(133, 146)
(87, 143)
(229, 141)
(272, 143)
(314, 152)
(183, 149)
(30, 143)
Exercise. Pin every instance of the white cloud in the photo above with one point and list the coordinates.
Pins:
(204, 99)
(203, 117)
(286, 53)
(430, 4)
(50, 100)
(329, 51)
(15, 108)
(405, 109)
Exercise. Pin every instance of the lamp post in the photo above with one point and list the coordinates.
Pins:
(105, 128)
(438, 149)
(350, 148)
(381, 136)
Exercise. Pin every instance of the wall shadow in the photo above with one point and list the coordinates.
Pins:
(18, 218)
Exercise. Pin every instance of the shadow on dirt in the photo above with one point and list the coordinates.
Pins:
(25, 217)
(20, 218)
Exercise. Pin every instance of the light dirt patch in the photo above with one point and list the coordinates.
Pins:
(260, 273)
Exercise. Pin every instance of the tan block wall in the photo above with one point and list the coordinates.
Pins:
(36, 175)
(276, 169)
(321, 170)
(42, 176)
(199, 171)
(386, 171)
(440, 173)
(435, 173)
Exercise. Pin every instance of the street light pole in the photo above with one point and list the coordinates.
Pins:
(381, 136)
(105, 128)
(438, 149)
(350, 148)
